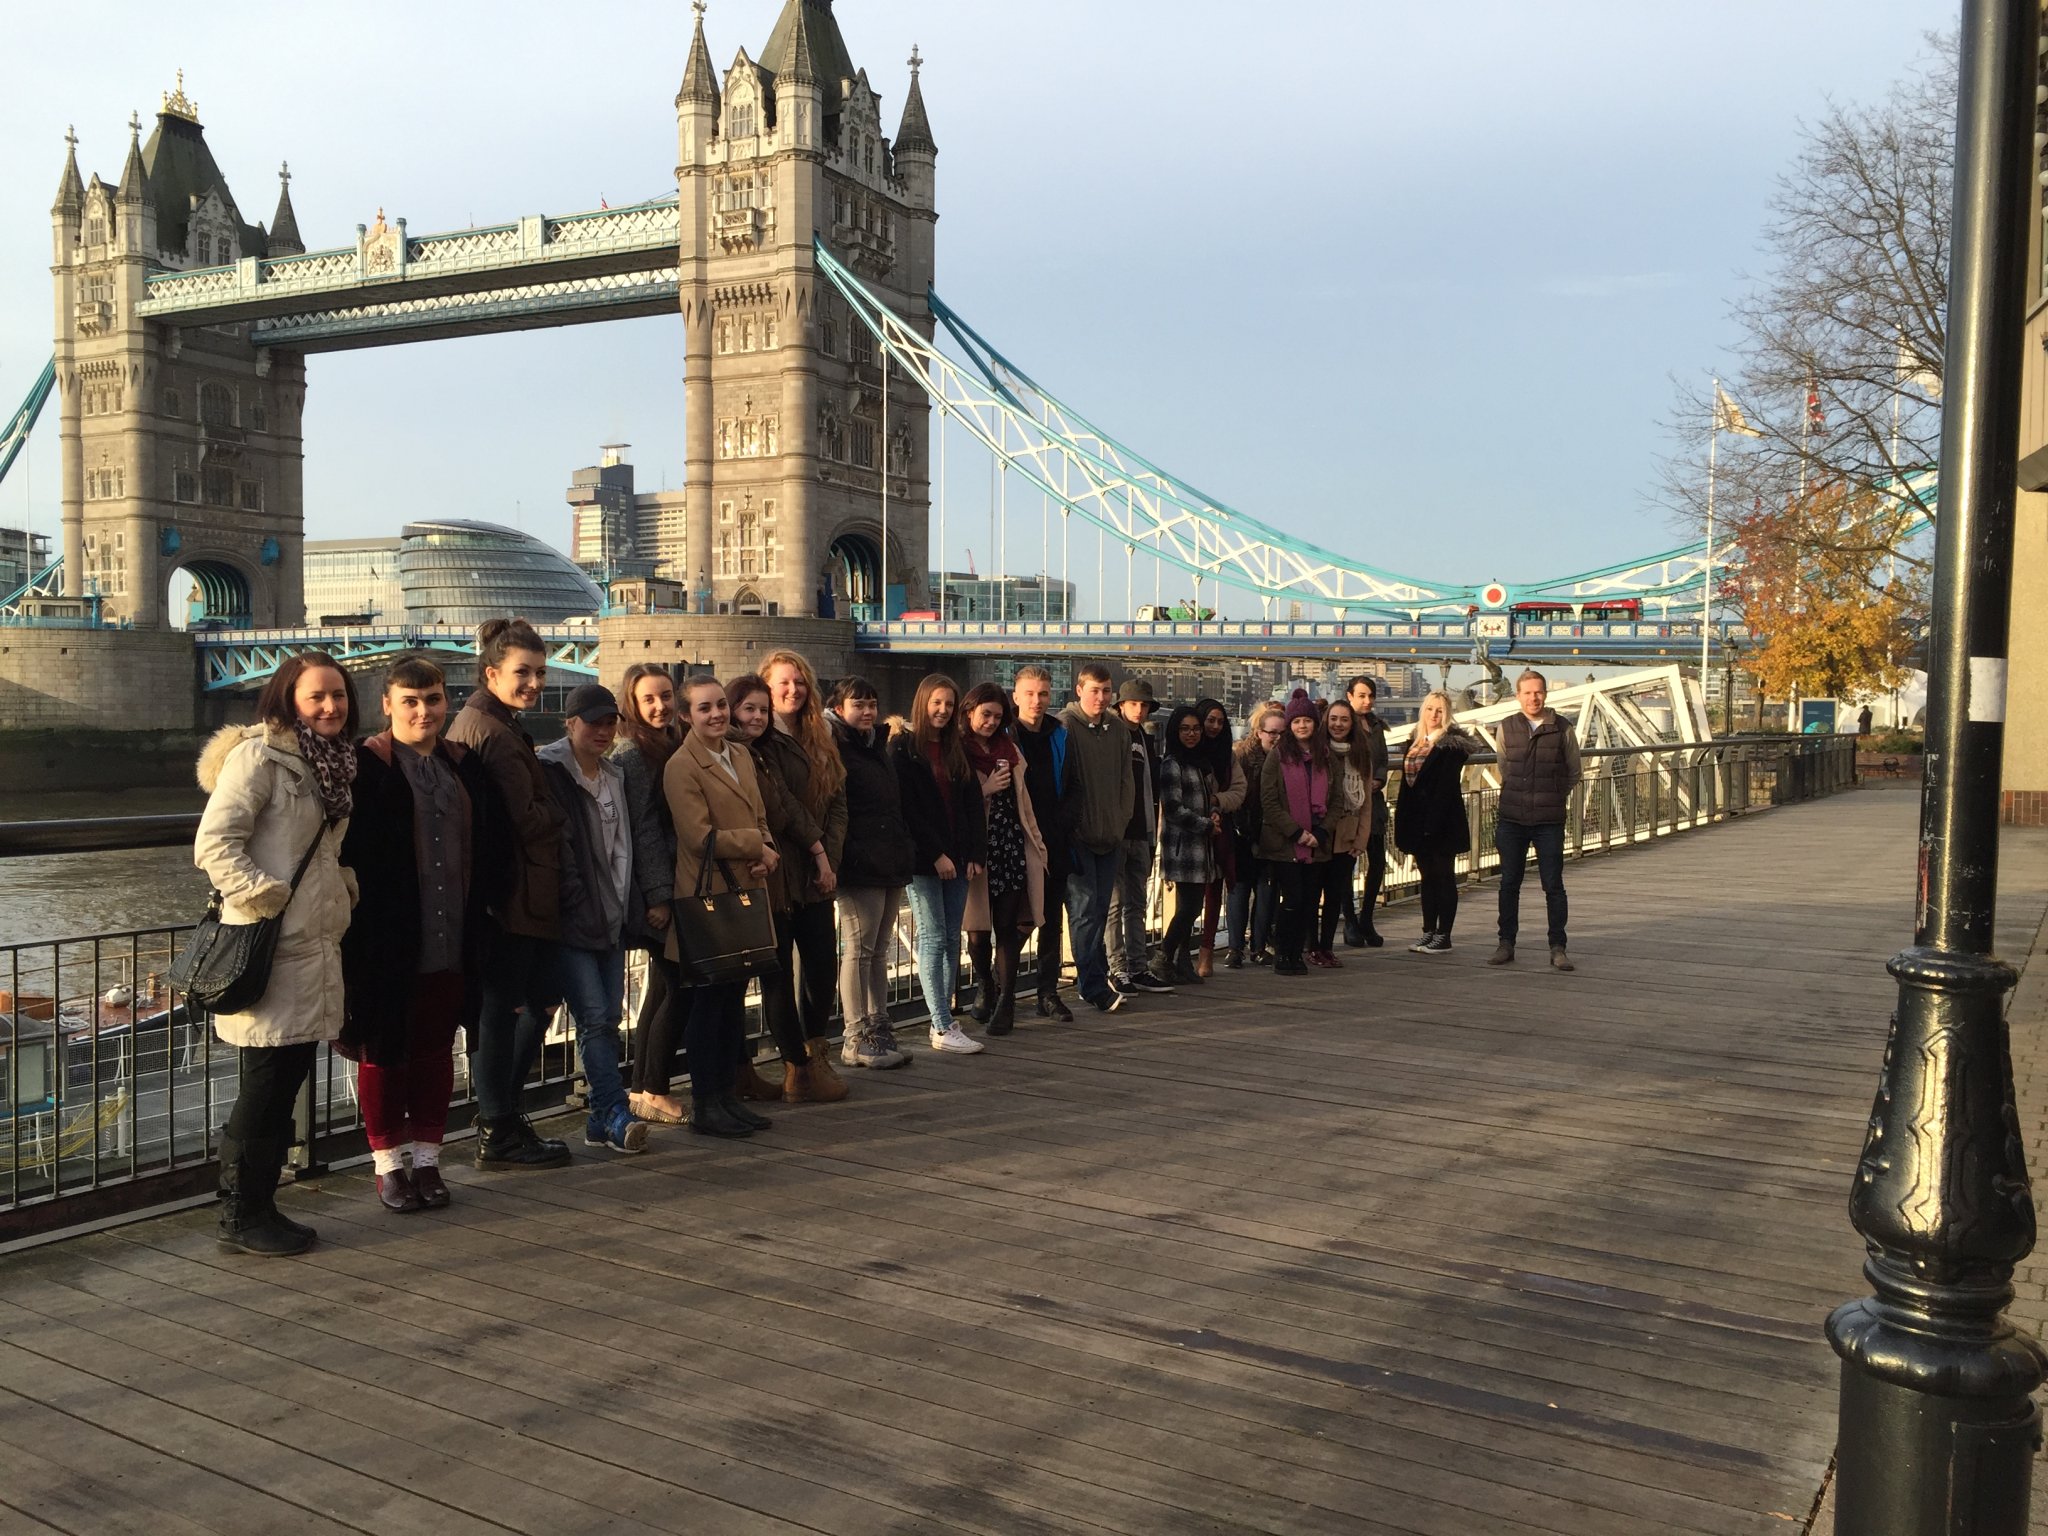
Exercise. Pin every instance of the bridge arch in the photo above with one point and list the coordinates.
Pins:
(210, 591)
(853, 571)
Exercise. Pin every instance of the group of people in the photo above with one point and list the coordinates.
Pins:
(444, 874)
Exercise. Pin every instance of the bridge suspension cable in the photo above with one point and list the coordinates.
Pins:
(15, 435)
(1126, 497)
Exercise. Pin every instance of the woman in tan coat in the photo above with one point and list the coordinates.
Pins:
(278, 797)
(713, 794)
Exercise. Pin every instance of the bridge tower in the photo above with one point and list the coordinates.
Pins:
(180, 447)
(795, 442)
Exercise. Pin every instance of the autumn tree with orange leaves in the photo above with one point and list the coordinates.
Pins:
(1834, 610)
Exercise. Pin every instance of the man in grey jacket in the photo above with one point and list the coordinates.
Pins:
(597, 884)
(1095, 808)
(1539, 770)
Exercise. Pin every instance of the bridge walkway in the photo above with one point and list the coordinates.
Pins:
(1417, 1246)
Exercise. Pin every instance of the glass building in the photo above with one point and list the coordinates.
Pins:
(454, 571)
(353, 581)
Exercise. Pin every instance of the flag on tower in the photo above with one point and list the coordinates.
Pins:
(1816, 418)
(1728, 416)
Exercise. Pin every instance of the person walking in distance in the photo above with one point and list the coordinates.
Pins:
(1188, 824)
(1227, 773)
(1096, 809)
(1294, 831)
(521, 967)
(419, 846)
(598, 891)
(1370, 732)
(874, 868)
(1129, 940)
(1539, 772)
(949, 838)
(1004, 901)
(1429, 816)
(278, 798)
(1043, 742)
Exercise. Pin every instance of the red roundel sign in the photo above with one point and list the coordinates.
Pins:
(1494, 595)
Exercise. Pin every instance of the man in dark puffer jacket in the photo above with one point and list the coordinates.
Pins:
(1539, 769)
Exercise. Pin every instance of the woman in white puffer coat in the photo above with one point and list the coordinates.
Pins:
(274, 790)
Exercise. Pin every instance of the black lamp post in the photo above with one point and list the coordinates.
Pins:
(1937, 1424)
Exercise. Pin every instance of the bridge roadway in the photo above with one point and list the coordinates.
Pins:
(1435, 1248)
(235, 659)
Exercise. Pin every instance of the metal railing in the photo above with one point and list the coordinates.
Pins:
(114, 1089)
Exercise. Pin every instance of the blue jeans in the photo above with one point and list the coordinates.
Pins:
(1514, 839)
(940, 907)
(521, 987)
(1091, 879)
(1251, 906)
(594, 987)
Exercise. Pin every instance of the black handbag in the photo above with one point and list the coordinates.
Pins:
(225, 967)
(721, 936)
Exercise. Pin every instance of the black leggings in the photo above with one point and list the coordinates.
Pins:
(1335, 894)
(1292, 881)
(1439, 872)
(1375, 861)
(1188, 899)
(796, 1002)
(655, 1027)
(259, 1130)
(715, 1036)
(994, 953)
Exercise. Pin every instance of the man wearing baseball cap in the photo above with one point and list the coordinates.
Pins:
(597, 887)
(1129, 943)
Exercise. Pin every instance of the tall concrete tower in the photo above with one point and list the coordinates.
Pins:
(180, 447)
(796, 442)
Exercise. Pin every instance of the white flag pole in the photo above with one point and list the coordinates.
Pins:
(1707, 595)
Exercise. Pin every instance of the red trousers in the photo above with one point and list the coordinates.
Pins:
(410, 1103)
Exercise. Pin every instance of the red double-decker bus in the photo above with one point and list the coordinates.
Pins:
(1623, 610)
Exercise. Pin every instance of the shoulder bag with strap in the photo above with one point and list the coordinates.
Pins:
(722, 936)
(225, 967)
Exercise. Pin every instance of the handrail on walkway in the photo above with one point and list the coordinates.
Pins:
(111, 1087)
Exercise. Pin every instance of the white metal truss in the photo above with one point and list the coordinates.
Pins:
(1144, 508)
(1607, 712)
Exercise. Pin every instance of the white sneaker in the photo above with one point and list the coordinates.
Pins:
(953, 1039)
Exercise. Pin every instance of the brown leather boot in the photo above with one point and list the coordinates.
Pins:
(751, 1086)
(1205, 961)
(821, 1084)
(795, 1090)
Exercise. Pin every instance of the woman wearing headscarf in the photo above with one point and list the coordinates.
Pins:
(1189, 823)
(1227, 770)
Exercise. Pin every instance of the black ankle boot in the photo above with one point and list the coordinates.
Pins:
(708, 1117)
(1003, 1017)
(730, 1103)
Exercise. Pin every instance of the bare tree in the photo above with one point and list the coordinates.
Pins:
(1840, 357)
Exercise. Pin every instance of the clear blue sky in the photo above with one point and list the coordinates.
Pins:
(1412, 281)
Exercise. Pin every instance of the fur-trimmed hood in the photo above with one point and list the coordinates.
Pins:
(214, 755)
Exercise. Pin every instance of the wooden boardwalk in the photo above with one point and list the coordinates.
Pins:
(1418, 1246)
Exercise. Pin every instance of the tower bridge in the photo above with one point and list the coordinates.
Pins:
(799, 250)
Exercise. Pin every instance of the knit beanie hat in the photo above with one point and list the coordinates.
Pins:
(1300, 706)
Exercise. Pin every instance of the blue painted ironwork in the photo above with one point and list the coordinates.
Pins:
(241, 660)
(14, 437)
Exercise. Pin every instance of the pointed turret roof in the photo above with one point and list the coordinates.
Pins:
(700, 82)
(284, 225)
(914, 135)
(829, 62)
(796, 63)
(179, 168)
(134, 174)
(70, 190)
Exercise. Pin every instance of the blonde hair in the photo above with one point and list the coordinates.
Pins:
(1450, 709)
(828, 769)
